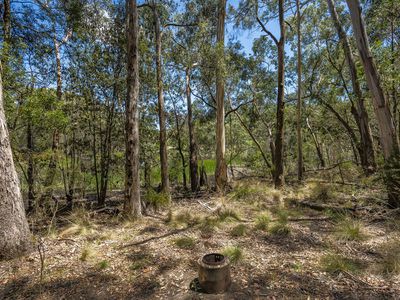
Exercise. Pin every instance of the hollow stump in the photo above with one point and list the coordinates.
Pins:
(214, 273)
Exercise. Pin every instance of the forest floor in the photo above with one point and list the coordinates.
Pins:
(279, 248)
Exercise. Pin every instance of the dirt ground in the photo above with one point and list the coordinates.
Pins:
(100, 256)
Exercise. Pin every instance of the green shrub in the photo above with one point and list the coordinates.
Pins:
(234, 253)
(185, 242)
(262, 222)
(157, 200)
(239, 230)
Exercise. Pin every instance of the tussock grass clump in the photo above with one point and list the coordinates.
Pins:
(280, 226)
(208, 225)
(390, 263)
(103, 264)
(280, 229)
(228, 214)
(157, 200)
(322, 192)
(81, 223)
(262, 221)
(140, 261)
(234, 253)
(243, 191)
(335, 263)
(87, 253)
(185, 242)
(184, 218)
(140, 264)
(239, 230)
(350, 230)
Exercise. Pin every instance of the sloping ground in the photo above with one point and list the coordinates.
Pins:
(97, 256)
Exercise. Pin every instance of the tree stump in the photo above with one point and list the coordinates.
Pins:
(214, 273)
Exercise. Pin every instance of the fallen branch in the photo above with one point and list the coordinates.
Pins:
(107, 209)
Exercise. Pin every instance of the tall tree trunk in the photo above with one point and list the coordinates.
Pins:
(264, 156)
(300, 162)
(388, 137)
(14, 230)
(367, 154)
(193, 164)
(393, 74)
(278, 163)
(106, 151)
(7, 20)
(30, 171)
(51, 173)
(221, 176)
(132, 205)
(161, 109)
(317, 145)
(179, 142)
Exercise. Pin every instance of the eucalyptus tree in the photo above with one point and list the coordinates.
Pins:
(388, 137)
(360, 114)
(221, 176)
(132, 205)
(300, 161)
(257, 12)
(14, 230)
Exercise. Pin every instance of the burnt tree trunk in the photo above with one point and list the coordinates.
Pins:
(221, 176)
(132, 205)
(14, 230)
(278, 163)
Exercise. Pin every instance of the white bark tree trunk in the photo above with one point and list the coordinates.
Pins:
(14, 230)
(132, 206)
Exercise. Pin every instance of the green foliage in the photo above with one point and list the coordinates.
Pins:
(335, 263)
(239, 230)
(262, 221)
(157, 200)
(186, 242)
(350, 230)
(390, 262)
(234, 253)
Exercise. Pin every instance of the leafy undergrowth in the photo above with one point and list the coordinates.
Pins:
(277, 249)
